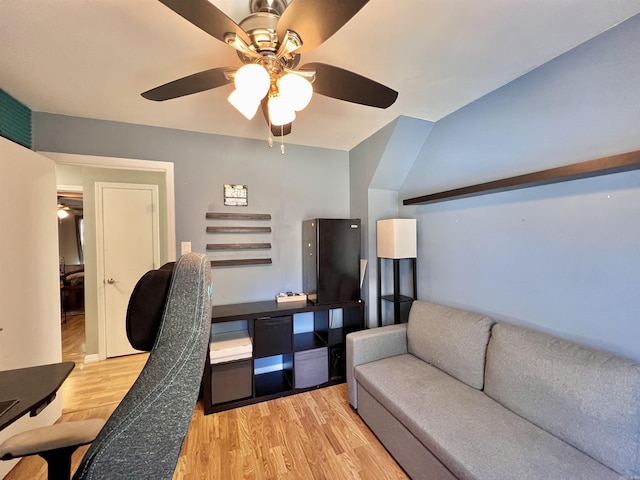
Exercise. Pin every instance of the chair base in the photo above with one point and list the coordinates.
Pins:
(59, 462)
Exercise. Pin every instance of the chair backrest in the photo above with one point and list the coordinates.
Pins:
(146, 307)
(144, 435)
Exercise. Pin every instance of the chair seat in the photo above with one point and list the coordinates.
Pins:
(51, 437)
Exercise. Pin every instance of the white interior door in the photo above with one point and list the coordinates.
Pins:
(128, 246)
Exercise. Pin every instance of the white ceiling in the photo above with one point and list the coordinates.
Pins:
(94, 58)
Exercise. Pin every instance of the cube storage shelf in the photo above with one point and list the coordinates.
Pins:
(309, 360)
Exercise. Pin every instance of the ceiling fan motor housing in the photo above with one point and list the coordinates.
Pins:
(270, 6)
(261, 29)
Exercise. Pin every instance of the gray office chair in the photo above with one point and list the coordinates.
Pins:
(144, 435)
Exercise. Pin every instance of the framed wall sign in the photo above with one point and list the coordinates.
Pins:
(236, 195)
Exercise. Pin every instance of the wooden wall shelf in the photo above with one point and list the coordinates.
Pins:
(237, 246)
(240, 261)
(237, 216)
(238, 229)
(602, 166)
(217, 247)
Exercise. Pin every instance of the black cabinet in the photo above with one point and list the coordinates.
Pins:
(331, 260)
(401, 303)
(310, 359)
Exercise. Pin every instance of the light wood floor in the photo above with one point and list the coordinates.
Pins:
(313, 435)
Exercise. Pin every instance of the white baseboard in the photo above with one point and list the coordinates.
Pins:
(94, 357)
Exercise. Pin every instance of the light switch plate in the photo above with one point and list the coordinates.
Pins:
(185, 247)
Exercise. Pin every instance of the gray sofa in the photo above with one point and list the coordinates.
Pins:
(453, 394)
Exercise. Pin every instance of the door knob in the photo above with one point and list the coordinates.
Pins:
(111, 281)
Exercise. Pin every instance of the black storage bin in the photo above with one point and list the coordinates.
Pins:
(272, 336)
(231, 381)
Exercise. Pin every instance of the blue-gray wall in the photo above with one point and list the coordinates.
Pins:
(378, 167)
(565, 257)
(304, 183)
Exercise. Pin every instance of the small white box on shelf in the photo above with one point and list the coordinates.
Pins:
(291, 297)
(225, 347)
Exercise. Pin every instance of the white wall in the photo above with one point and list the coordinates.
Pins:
(29, 284)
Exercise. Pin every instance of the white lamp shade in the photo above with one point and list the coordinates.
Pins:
(245, 104)
(295, 90)
(253, 80)
(397, 238)
(280, 112)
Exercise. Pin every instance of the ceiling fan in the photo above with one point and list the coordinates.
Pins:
(69, 202)
(269, 41)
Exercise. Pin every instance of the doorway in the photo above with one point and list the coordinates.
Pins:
(91, 169)
(70, 212)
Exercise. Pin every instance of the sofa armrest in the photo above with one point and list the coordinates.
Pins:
(370, 345)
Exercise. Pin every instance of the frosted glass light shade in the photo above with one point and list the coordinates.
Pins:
(253, 80)
(295, 90)
(280, 112)
(397, 238)
(245, 104)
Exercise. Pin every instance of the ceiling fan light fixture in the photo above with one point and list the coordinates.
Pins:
(280, 111)
(295, 90)
(63, 212)
(253, 80)
(247, 105)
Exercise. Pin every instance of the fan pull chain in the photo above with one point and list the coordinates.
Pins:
(269, 139)
(282, 138)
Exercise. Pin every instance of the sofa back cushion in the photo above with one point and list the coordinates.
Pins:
(588, 398)
(451, 339)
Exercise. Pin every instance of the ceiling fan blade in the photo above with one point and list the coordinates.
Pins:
(315, 21)
(198, 82)
(344, 85)
(208, 17)
(276, 130)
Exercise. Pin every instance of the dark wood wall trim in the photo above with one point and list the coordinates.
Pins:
(592, 168)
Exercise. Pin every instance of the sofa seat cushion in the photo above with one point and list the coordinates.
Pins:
(471, 434)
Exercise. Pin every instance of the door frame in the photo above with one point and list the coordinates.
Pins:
(100, 270)
(129, 164)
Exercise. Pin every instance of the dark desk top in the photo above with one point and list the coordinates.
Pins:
(33, 387)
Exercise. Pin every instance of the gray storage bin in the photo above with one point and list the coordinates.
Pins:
(231, 381)
(311, 367)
